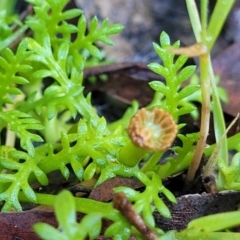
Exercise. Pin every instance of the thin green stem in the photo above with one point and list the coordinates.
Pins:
(208, 169)
(13, 37)
(83, 205)
(233, 144)
(204, 18)
(205, 85)
(174, 166)
(194, 19)
(208, 37)
(218, 118)
(157, 97)
(205, 117)
(218, 18)
(124, 120)
(152, 162)
(219, 126)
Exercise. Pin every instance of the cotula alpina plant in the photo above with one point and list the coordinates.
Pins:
(41, 98)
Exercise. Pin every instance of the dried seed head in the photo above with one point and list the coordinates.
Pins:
(154, 129)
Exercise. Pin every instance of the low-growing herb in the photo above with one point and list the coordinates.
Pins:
(48, 123)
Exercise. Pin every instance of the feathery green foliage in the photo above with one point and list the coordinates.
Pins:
(169, 96)
(41, 100)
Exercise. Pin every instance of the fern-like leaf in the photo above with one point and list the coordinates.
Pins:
(175, 74)
(20, 123)
(11, 65)
(12, 183)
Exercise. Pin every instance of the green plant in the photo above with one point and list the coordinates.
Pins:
(65, 206)
(69, 229)
(41, 96)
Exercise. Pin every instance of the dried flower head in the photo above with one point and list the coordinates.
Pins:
(154, 129)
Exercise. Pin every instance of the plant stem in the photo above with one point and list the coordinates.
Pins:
(218, 118)
(130, 155)
(208, 37)
(208, 169)
(219, 125)
(218, 18)
(13, 37)
(152, 162)
(83, 205)
(205, 117)
(200, 35)
(194, 18)
(204, 18)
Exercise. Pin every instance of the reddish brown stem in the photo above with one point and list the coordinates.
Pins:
(121, 203)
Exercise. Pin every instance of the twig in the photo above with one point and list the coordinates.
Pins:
(121, 203)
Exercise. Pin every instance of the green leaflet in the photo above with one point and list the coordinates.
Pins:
(168, 95)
